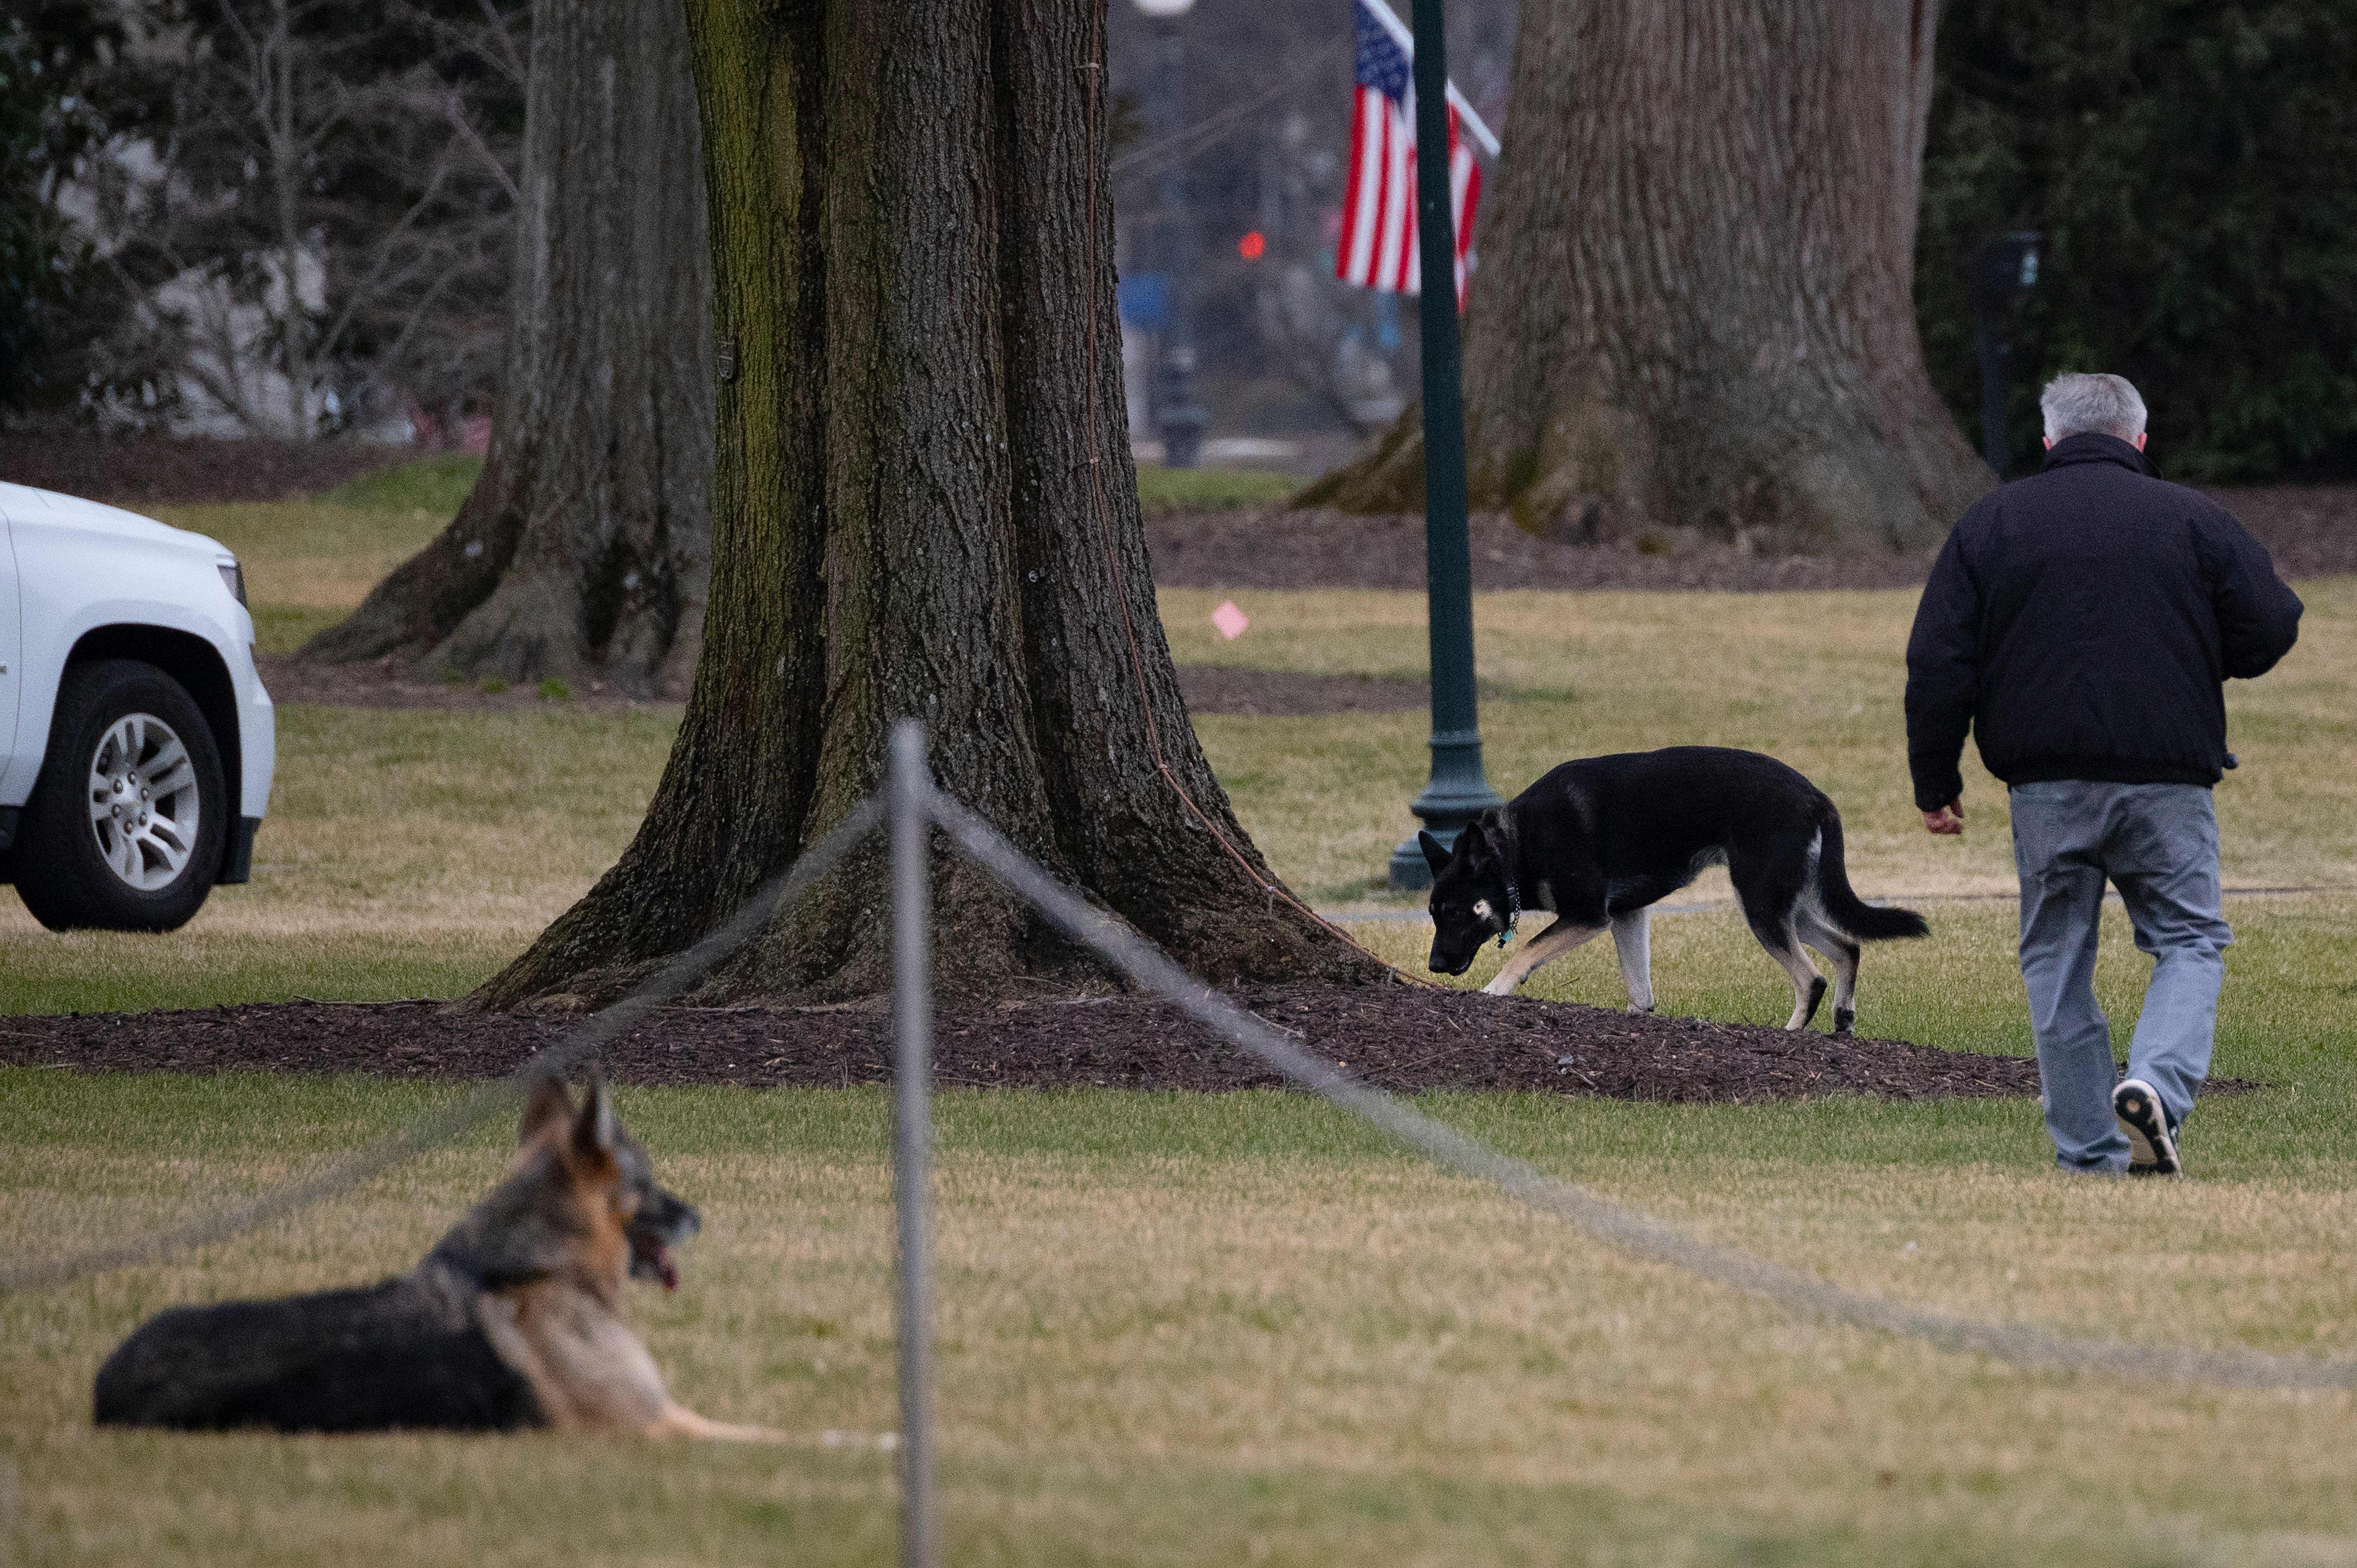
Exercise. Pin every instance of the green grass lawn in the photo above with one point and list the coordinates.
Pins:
(1241, 1329)
(1815, 679)
(407, 853)
(307, 563)
(1209, 490)
(1187, 1329)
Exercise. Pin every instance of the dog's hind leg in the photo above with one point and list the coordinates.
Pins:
(1632, 944)
(1554, 942)
(1842, 952)
(1808, 985)
(678, 1420)
(1770, 888)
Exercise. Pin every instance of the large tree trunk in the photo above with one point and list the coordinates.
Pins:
(584, 550)
(925, 508)
(1695, 304)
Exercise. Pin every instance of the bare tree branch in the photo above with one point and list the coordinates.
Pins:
(310, 228)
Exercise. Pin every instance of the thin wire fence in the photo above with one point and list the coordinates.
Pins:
(431, 1131)
(1614, 1224)
(1610, 1222)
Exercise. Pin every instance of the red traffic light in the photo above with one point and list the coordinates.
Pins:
(1251, 246)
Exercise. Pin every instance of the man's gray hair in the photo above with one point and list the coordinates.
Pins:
(2074, 404)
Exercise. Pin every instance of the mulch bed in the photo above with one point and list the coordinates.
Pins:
(187, 473)
(1273, 549)
(2311, 529)
(1283, 694)
(1403, 1038)
(397, 682)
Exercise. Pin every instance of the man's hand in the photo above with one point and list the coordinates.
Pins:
(1948, 821)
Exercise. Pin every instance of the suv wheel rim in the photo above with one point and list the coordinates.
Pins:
(143, 802)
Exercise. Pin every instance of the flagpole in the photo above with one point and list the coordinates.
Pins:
(1458, 789)
(1388, 20)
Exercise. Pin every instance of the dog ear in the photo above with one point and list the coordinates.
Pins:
(548, 1106)
(1472, 842)
(1435, 854)
(593, 1129)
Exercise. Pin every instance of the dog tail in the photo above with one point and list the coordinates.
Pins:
(1862, 920)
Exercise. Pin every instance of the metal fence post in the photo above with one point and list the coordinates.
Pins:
(912, 1033)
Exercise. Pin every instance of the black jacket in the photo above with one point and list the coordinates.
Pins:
(2081, 624)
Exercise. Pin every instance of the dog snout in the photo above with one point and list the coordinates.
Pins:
(668, 1218)
(681, 1217)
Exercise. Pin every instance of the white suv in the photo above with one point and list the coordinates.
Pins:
(137, 742)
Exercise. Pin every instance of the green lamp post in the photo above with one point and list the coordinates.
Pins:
(1459, 789)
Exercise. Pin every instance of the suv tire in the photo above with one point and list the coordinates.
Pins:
(128, 817)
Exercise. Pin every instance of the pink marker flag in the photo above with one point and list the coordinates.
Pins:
(1229, 620)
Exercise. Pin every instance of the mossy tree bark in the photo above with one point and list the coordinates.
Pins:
(584, 550)
(925, 508)
(1694, 302)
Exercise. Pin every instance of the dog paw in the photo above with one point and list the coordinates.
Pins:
(1843, 1018)
(1646, 1011)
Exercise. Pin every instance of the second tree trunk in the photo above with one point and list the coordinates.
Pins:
(1693, 305)
(583, 552)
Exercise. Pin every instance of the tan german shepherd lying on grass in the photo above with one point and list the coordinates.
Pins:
(514, 1320)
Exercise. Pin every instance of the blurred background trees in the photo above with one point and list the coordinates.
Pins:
(1263, 95)
(2190, 166)
(1697, 306)
(583, 550)
(280, 218)
(52, 54)
(344, 220)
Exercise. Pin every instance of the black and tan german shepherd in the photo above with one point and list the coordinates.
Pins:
(1599, 839)
(514, 1320)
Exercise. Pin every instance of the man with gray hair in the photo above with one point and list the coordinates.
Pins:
(2082, 625)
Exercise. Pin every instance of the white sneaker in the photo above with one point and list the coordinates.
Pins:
(2152, 1143)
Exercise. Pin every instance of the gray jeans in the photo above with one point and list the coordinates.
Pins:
(2157, 844)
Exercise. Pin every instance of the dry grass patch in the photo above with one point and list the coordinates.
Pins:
(405, 854)
(1182, 1330)
(2283, 1015)
(1209, 1329)
(1815, 679)
(412, 854)
(307, 564)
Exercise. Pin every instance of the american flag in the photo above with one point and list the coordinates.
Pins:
(1377, 247)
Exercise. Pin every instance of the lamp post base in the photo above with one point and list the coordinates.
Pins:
(1177, 415)
(1458, 792)
(1182, 439)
